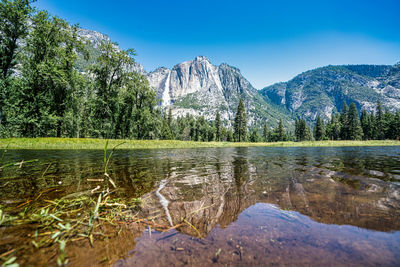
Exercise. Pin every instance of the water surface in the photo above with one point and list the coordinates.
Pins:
(241, 206)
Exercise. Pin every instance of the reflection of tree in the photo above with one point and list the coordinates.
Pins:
(215, 191)
(240, 173)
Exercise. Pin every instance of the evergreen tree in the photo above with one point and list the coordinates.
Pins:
(166, 133)
(319, 129)
(169, 118)
(218, 127)
(280, 132)
(265, 132)
(211, 132)
(335, 127)
(396, 126)
(388, 122)
(254, 137)
(344, 122)
(379, 129)
(354, 127)
(241, 123)
(302, 131)
(229, 136)
(367, 125)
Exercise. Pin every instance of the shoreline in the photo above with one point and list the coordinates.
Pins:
(92, 144)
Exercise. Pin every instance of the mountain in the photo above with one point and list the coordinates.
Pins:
(324, 90)
(198, 87)
(93, 40)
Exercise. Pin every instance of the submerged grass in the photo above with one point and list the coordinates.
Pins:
(77, 216)
(88, 143)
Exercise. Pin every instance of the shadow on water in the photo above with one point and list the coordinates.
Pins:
(230, 206)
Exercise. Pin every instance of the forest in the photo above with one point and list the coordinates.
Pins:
(43, 93)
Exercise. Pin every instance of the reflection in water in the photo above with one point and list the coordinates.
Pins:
(163, 201)
(239, 206)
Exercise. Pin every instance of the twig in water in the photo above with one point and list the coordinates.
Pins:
(191, 225)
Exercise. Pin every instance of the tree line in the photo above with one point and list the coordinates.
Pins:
(349, 125)
(43, 94)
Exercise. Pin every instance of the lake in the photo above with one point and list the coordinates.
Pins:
(224, 206)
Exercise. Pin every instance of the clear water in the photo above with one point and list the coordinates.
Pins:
(243, 206)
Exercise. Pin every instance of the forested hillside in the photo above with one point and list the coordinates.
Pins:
(54, 83)
(59, 80)
(324, 90)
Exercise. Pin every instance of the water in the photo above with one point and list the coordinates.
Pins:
(233, 206)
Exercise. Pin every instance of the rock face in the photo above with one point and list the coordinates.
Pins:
(199, 88)
(323, 90)
(94, 39)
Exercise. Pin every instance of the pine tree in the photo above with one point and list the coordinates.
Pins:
(396, 126)
(344, 122)
(333, 128)
(229, 136)
(354, 127)
(319, 129)
(166, 133)
(169, 118)
(379, 129)
(265, 133)
(367, 125)
(280, 132)
(302, 131)
(241, 123)
(254, 137)
(218, 127)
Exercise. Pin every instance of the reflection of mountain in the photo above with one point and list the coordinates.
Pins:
(204, 200)
(218, 194)
(336, 198)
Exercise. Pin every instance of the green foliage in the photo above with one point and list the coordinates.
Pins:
(109, 76)
(349, 126)
(64, 87)
(344, 122)
(52, 98)
(218, 127)
(255, 137)
(302, 131)
(319, 129)
(14, 16)
(334, 127)
(279, 133)
(240, 123)
(266, 133)
(354, 127)
(331, 86)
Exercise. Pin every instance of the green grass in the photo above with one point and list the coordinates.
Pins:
(87, 143)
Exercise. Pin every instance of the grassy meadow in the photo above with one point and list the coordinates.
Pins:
(88, 143)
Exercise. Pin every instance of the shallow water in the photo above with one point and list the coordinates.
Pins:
(242, 206)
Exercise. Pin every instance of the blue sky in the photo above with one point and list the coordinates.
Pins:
(270, 41)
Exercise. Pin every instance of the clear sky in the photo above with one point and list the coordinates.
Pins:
(270, 41)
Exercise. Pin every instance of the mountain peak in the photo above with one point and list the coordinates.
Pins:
(201, 58)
